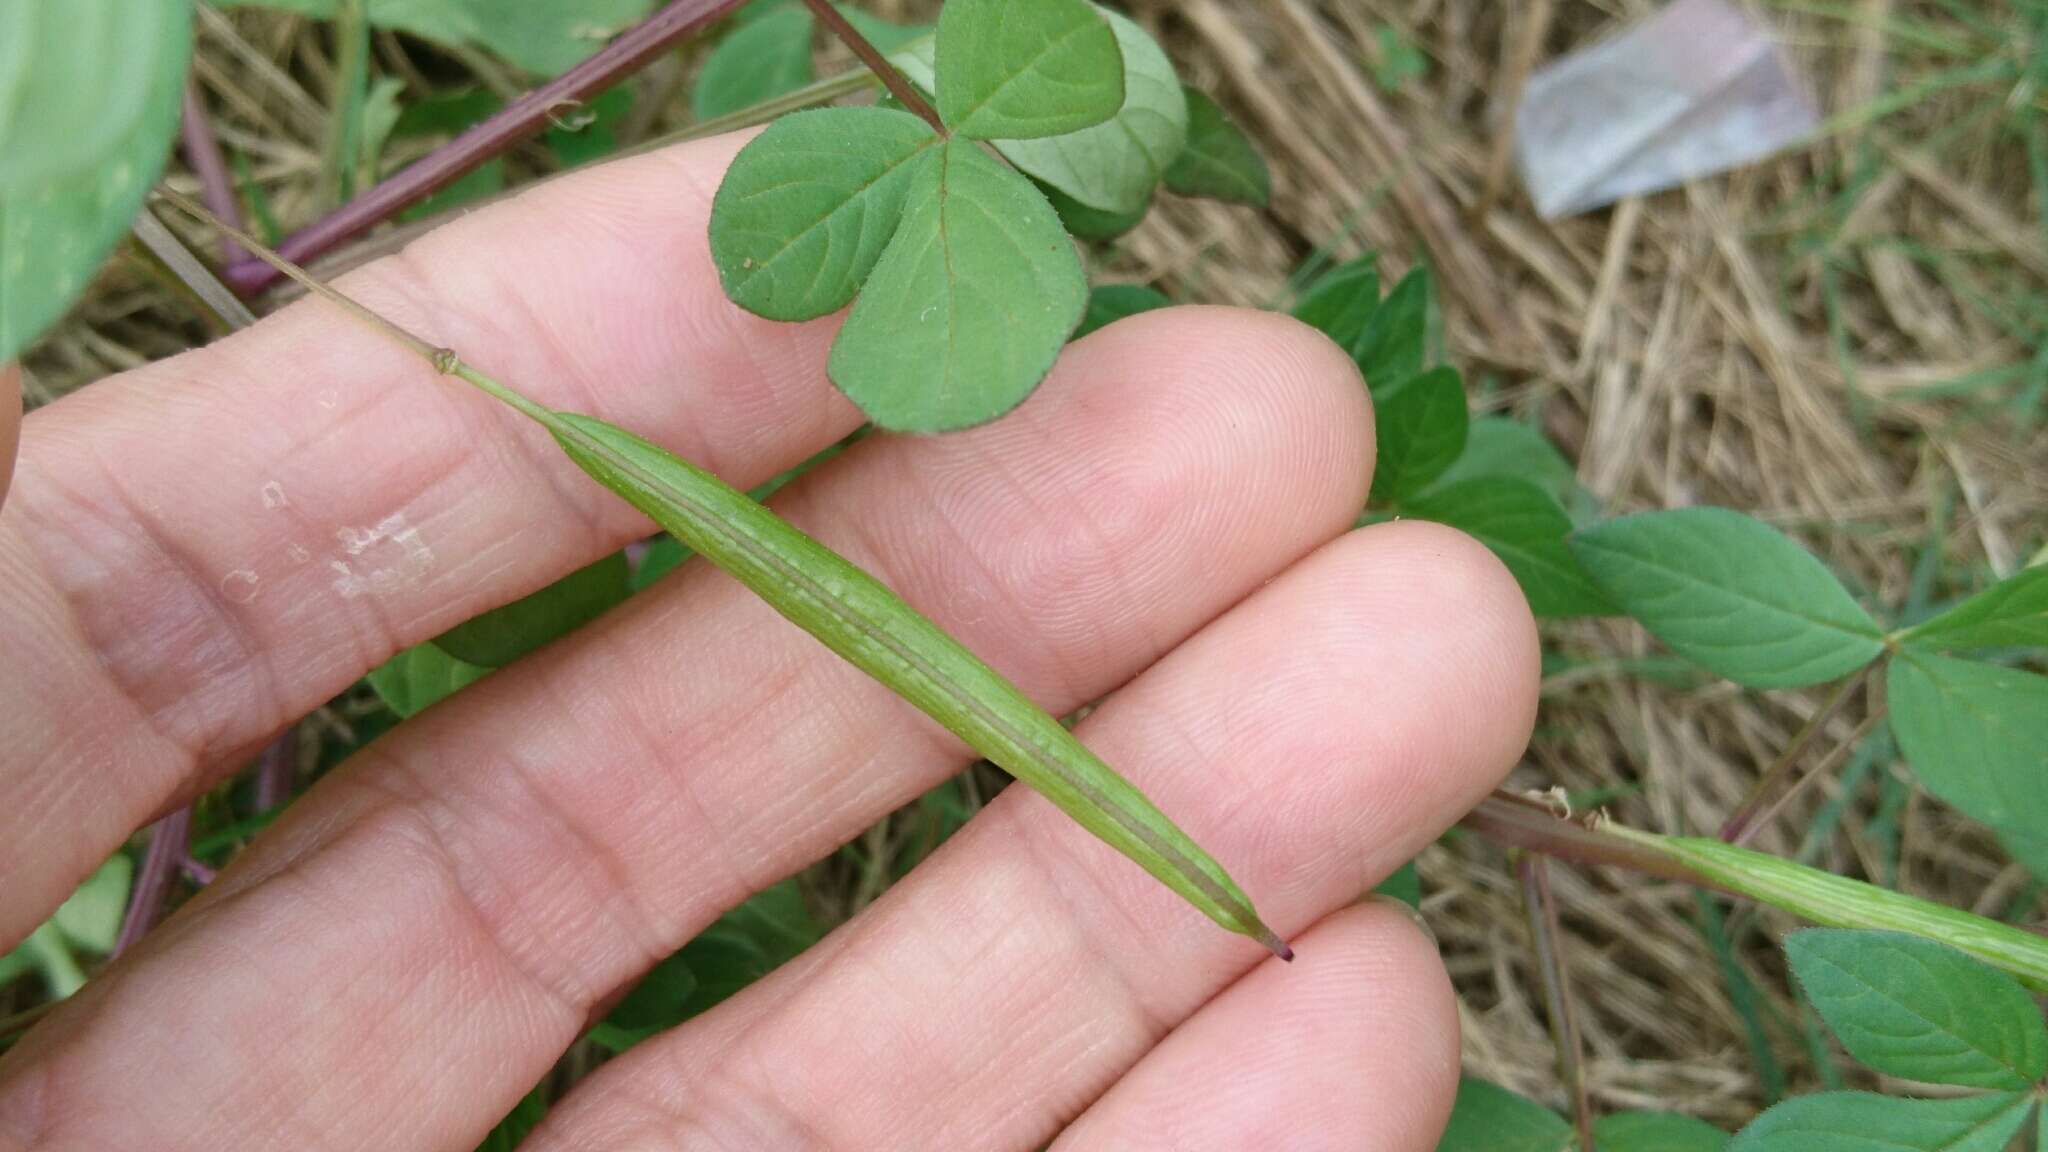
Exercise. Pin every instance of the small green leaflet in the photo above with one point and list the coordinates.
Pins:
(809, 205)
(1219, 161)
(1489, 1118)
(1656, 1132)
(89, 99)
(1390, 348)
(1113, 302)
(1976, 736)
(421, 677)
(501, 636)
(2010, 614)
(1863, 1122)
(1731, 594)
(1499, 446)
(1421, 430)
(970, 305)
(1341, 303)
(543, 36)
(761, 59)
(1091, 224)
(1026, 69)
(1527, 529)
(1919, 1010)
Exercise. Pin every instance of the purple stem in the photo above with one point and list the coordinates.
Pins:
(515, 122)
(202, 152)
(168, 840)
(275, 771)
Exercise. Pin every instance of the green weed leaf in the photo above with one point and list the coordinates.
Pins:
(1113, 302)
(1657, 1132)
(1919, 1010)
(1977, 736)
(2011, 614)
(1026, 69)
(1528, 530)
(1342, 302)
(91, 917)
(1091, 224)
(503, 635)
(969, 306)
(1421, 429)
(89, 98)
(1220, 161)
(762, 58)
(1731, 594)
(1489, 1118)
(746, 944)
(1499, 446)
(421, 677)
(1862, 1122)
(808, 207)
(858, 618)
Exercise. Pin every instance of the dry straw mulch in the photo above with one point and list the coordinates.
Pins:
(1767, 340)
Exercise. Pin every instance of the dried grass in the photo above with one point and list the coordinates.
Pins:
(1764, 340)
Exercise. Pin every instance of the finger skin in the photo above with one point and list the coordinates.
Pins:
(203, 551)
(10, 423)
(1314, 739)
(449, 908)
(1354, 1047)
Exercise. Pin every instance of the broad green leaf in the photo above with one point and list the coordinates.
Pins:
(883, 34)
(1026, 69)
(1113, 167)
(1499, 446)
(1091, 224)
(1731, 594)
(761, 59)
(77, 79)
(421, 677)
(1919, 1010)
(1488, 1118)
(91, 917)
(1421, 429)
(503, 635)
(1390, 348)
(808, 207)
(89, 99)
(2011, 614)
(1976, 736)
(1113, 302)
(860, 619)
(969, 306)
(543, 36)
(1863, 1122)
(1342, 303)
(1528, 530)
(1219, 161)
(1657, 1132)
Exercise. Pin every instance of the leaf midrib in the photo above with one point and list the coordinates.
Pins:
(1028, 68)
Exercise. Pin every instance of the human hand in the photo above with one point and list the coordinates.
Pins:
(200, 552)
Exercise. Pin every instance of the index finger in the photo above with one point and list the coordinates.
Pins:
(200, 552)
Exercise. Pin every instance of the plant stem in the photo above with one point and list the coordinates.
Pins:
(1546, 935)
(223, 310)
(168, 840)
(891, 77)
(1740, 827)
(518, 120)
(202, 152)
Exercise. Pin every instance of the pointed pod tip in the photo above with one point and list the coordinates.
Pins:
(1278, 946)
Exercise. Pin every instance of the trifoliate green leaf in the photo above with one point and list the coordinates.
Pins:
(1220, 161)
